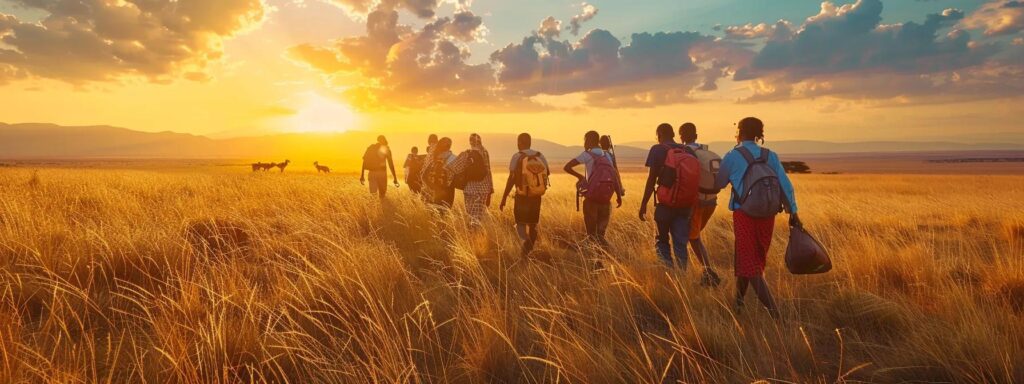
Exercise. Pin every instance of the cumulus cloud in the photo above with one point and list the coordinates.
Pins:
(841, 52)
(997, 18)
(844, 48)
(586, 14)
(401, 66)
(779, 30)
(651, 68)
(550, 28)
(99, 40)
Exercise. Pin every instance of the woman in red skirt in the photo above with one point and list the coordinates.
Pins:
(752, 226)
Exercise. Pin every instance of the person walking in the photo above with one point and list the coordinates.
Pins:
(609, 151)
(597, 187)
(472, 172)
(529, 174)
(437, 180)
(412, 167)
(672, 172)
(707, 200)
(377, 160)
(757, 177)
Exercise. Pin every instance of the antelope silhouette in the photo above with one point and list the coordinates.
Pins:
(321, 168)
(283, 165)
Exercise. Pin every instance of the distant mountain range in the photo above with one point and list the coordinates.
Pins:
(50, 141)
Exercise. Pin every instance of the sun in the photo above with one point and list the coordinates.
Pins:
(320, 114)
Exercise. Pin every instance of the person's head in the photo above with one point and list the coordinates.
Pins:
(382, 140)
(688, 133)
(591, 139)
(750, 128)
(443, 145)
(415, 150)
(432, 139)
(525, 141)
(665, 132)
(475, 141)
(606, 142)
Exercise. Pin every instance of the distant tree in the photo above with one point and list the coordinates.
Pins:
(796, 167)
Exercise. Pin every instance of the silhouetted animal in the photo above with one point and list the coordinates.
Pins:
(283, 165)
(321, 168)
(261, 166)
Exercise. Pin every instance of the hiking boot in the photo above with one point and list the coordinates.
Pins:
(709, 278)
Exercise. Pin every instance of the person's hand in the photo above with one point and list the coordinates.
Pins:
(487, 202)
(362, 180)
(618, 201)
(643, 212)
(794, 221)
(396, 183)
(501, 207)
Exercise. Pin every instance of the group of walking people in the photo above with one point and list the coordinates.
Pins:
(684, 179)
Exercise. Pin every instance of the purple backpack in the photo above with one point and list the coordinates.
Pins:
(602, 184)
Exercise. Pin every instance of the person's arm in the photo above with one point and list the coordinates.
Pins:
(362, 172)
(652, 178)
(569, 169)
(391, 164)
(722, 179)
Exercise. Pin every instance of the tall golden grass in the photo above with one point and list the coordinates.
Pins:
(228, 277)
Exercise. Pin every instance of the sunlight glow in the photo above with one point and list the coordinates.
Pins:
(318, 113)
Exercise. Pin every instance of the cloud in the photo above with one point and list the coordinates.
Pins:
(360, 9)
(550, 28)
(843, 52)
(779, 30)
(846, 51)
(399, 66)
(98, 40)
(588, 12)
(651, 68)
(997, 18)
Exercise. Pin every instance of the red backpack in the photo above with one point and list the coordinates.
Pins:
(679, 181)
(602, 184)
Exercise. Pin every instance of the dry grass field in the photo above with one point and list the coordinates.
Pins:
(220, 276)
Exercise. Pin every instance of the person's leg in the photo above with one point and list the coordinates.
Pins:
(604, 216)
(590, 219)
(663, 221)
(765, 295)
(680, 230)
(372, 182)
(741, 289)
(700, 251)
(763, 230)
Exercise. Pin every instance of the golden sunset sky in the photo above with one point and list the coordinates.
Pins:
(849, 71)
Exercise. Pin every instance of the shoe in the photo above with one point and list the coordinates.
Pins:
(710, 279)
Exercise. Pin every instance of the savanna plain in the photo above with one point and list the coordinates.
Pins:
(226, 276)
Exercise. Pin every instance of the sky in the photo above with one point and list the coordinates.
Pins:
(843, 71)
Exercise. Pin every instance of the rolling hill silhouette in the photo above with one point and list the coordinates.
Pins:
(51, 141)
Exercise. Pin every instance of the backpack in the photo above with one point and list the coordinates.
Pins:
(602, 184)
(415, 167)
(435, 176)
(761, 197)
(477, 168)
(373, 159)
(710, 162)
(805, 255)
(680, 178)
(533, 176)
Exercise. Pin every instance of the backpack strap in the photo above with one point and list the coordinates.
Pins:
(764, 155)
(749, 157)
